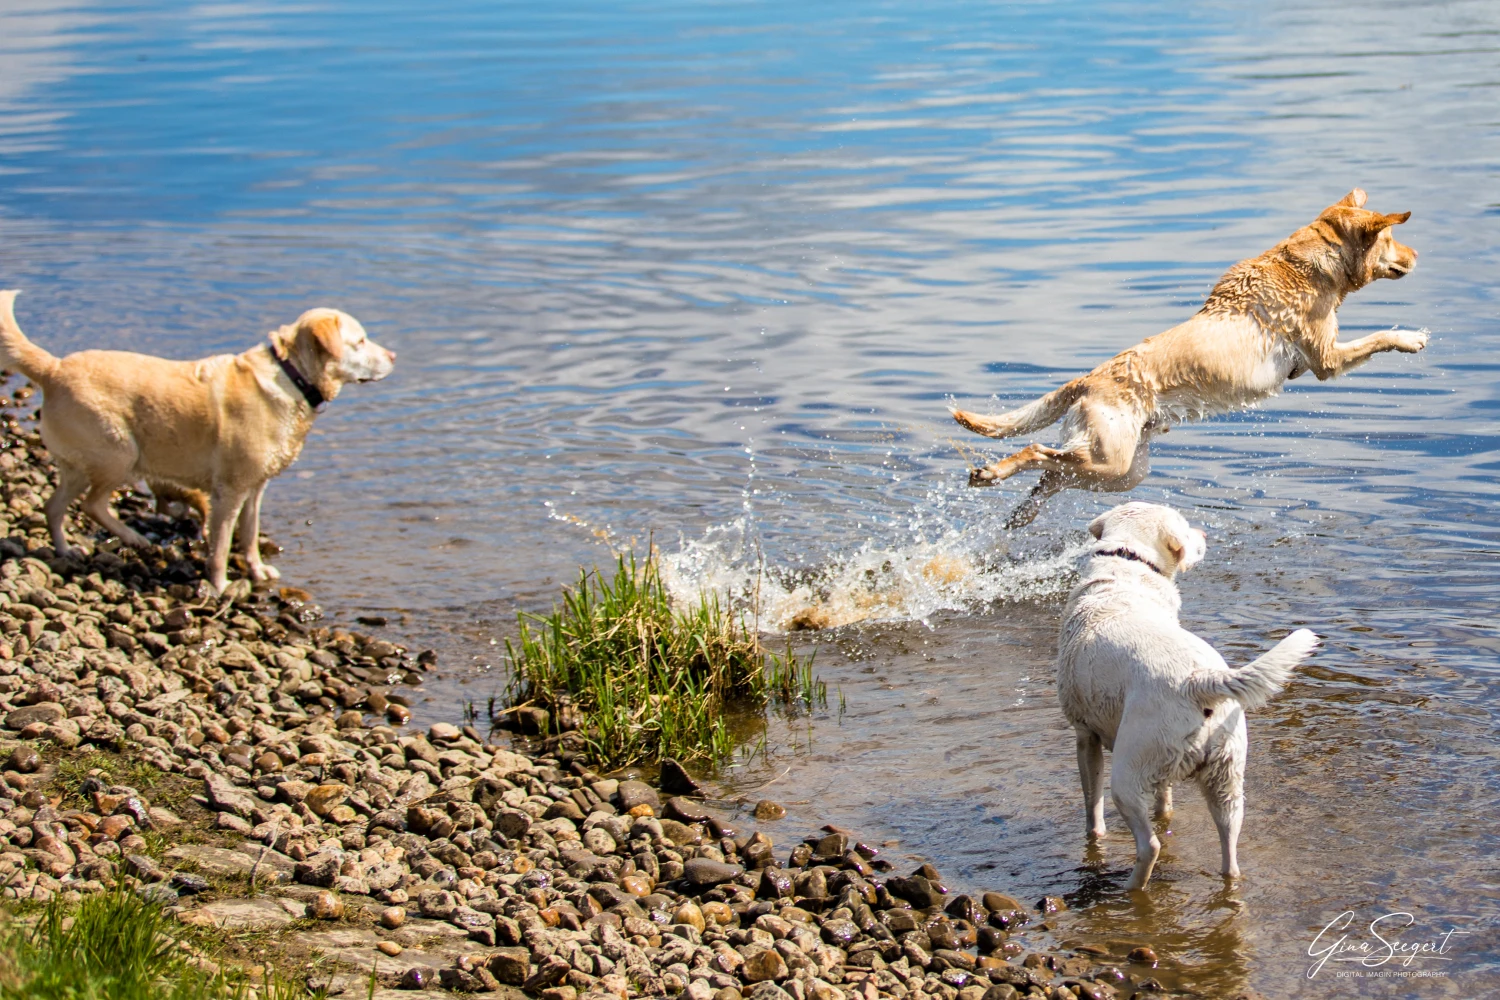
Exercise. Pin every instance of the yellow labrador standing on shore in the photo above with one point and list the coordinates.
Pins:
(1133, 681)
(225, 425)
(1269, 319)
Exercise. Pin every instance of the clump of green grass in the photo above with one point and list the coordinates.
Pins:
(115, 946)
(640, 679)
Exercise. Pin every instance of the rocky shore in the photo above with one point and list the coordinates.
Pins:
(252, 768)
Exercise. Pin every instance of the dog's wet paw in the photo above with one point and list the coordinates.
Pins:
(983, 477)
(1412, 341)
(263, 572)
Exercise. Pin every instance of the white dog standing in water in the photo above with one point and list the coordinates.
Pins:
(1134, 681)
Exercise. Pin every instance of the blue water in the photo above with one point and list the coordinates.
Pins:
(707, 274)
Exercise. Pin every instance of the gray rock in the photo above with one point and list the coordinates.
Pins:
(47, 713)
(223, 796)
(707, 872)
(636, 793)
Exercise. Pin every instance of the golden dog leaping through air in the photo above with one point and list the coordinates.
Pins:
(1268, 319)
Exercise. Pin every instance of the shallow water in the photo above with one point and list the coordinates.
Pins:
(707, 274)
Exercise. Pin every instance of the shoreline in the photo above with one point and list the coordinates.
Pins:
(243, 763)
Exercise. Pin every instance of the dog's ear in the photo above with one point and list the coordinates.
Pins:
(324, 332)
(1394, 219)
(1187, 545)
(1354, 199)
(1096, 526)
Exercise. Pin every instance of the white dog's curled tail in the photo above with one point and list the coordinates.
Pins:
(15, 350)
(1258, 681)
(1033, 416)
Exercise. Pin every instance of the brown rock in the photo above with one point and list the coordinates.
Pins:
(719, 913)
(24, 759)
(326, 906)
(510, 965)
(114, 827)
(767, 811)
(764, 966)
(636, 885)
(1143, 955)
(390, 948)
(392, 917)
(322, 799)
(999, 902)
(689, 913)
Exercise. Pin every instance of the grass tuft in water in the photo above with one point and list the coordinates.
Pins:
(639, 679)
(115, 946)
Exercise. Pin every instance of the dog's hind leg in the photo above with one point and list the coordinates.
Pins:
(1163, 811)
(1091, 776)
(96, 505)
(1223, 785)
(1133, 782)
(70, 485)
(1134, 801)
(1026, 511)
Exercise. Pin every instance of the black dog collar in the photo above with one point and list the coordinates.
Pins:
(310, 392)
(1127, 554)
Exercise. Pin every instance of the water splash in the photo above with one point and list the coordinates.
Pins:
(906, 581)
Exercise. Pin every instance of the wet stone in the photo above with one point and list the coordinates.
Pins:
(634, 794)
(707, 872)
(768, 811)
(675, 780)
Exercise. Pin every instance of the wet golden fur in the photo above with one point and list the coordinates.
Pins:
(1269, 319)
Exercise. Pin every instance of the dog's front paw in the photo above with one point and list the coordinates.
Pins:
(135, 540)
(263, 572)
(1411, 341)
(987, 476)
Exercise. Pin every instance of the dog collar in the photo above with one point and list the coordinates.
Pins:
(310, 392)
(1127, 554)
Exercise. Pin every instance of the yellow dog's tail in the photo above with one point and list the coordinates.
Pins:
(18, 353)
(1031, 417)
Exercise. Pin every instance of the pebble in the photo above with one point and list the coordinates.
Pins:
(390, 948)
(326, 906)
(24, 760)
(708, 872)
(767, 811)
(392, 917)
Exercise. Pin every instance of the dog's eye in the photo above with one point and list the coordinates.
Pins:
(1208, 713)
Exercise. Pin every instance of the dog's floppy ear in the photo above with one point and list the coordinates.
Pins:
(1096, 526)
(1394, 219)
(1354, 199)
(324, 332)
(1187, 545)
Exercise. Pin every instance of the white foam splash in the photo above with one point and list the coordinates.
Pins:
(906, 582)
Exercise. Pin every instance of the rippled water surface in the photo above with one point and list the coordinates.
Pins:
(707, 273)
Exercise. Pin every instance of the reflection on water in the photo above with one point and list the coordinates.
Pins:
(705, 275)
